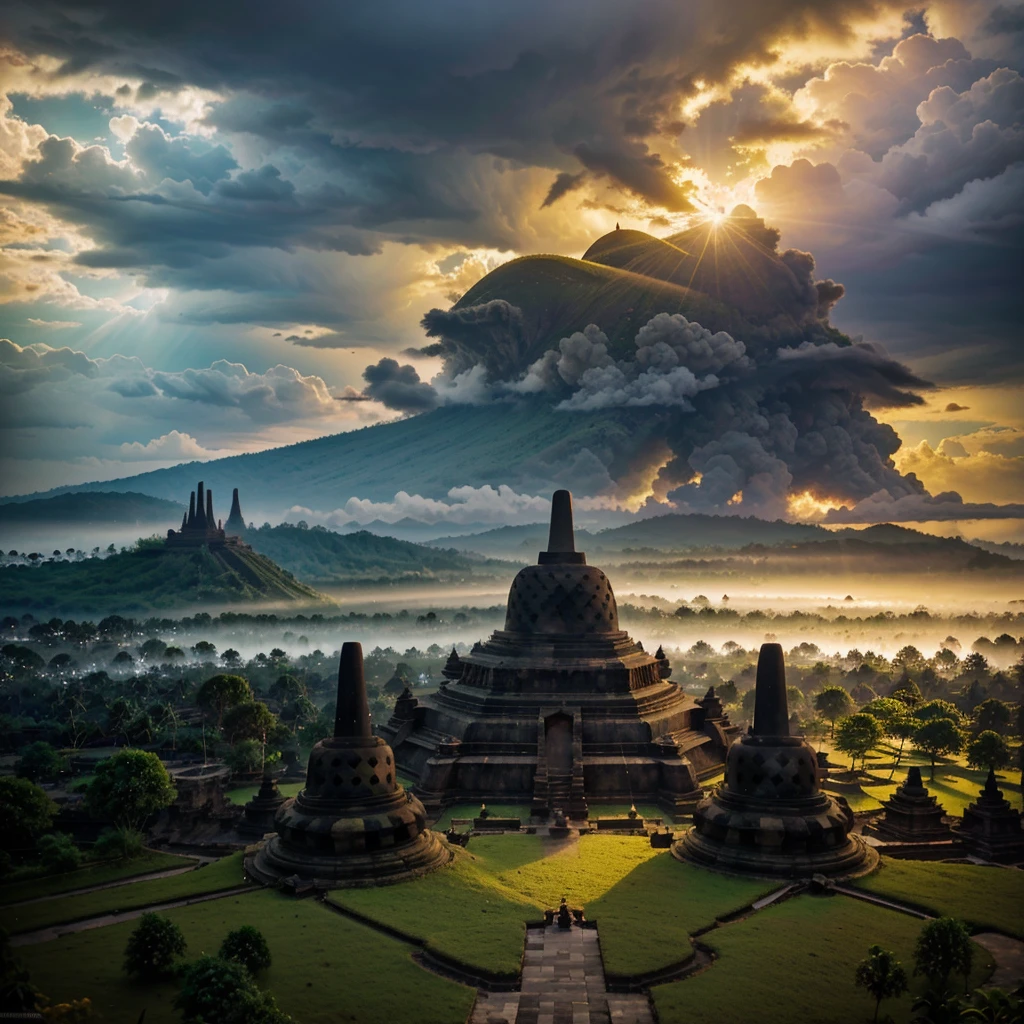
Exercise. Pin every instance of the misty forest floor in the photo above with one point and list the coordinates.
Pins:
(646, 905)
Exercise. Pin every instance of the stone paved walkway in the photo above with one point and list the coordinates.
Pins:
(563, 983)
(1009, 957)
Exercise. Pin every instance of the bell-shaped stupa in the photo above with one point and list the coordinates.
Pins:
(769, 816)
(353, 824)
(561, 709)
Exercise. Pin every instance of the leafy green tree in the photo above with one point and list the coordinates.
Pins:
(231, 658)
(993, 714)
(938, 709)
(832, 702)
(907, 692)
(40, 761)
(988, 750)
(286, 688)
(204, 649)
(153, 947)
(219, 990)
(975, 664)
(247, 946)
(882, 975)
(245, 757)
(221, 692)
(58, 852)
(25, 812)
(727, 692)
(908, 657)
(943, 948)
(129, 787)
(153, 649)
(939, 737)
(857, 736)
(250, 721)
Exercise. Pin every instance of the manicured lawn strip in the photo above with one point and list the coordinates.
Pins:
(462, 911)
(94, 874)
(645, 920)
(621, 810)
(984, 897)
(224, 874)
(243, 794)
(521, 811)
(325, 969)
(796, 962)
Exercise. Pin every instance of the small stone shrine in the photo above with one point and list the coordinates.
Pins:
(561, 708)
(991, 828)
(261, 810)
(769, 816)
(912, 815)
(353, 824)
(235, 524)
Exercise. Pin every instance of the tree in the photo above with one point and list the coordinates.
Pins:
(857, 736)
(246, 757)
(938, 709)
(250, 721)
(25, 812)
(975, 664)
(908, 657)
(152, 649)
(204, 649)
(40, 761)
(993, 714)
(248, 947)
(129, 787)
(727, 692)
(286, 688)
(231, 658)
(943, 948)
(153, 947)
(833, 702)
(221, 692)
(988, 750)
(59, 853)
(882, 975)
(219, 990)
(939, 737)
(16, 989)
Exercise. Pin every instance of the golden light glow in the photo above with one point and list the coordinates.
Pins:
(808, 507)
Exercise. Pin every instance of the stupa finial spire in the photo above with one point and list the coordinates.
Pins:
(210, 521)
(200, 507)
(352, 718)
(192, 509)
(561, 538)
(771, 707)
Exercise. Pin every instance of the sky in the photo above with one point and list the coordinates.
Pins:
(215, 217)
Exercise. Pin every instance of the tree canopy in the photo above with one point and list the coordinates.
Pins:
(129, 787)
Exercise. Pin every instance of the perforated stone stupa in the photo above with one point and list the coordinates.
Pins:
(769, 816)
(353, 824)
(561, 708)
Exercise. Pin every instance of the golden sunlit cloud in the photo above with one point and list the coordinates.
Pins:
(806, 507)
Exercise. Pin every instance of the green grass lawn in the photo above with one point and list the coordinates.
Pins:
(985, 897)
(326, 969)
(243, 794)
(521, 811)
(224, 874)
(796, 962)
(93, 874)
(462, 911)
(646, 918)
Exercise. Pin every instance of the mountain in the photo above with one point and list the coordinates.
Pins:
(426, 454)
(328, 557)
(91, 508)
(150, 577)
(415, 529)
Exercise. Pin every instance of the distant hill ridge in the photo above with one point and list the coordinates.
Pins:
(91, 506)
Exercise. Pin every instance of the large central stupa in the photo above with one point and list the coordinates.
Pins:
(561, 708)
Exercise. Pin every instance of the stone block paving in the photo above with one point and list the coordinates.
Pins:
(562, 983)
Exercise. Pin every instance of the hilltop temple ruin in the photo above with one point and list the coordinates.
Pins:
(561, 708)
(769, 816)
(199, 527)
(353, 824)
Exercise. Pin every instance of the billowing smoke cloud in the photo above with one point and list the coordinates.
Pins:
(398, 387)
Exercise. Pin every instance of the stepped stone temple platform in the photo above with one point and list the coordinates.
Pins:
(911, 815)
(561, 708)
(769, 817)
(199, 527)
(353, 824)
(991, 828)
(261, 810)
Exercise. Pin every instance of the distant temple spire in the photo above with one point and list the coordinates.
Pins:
(192, 509)
(561, 542)
(200, 522)
(235, 523)
(209, 509)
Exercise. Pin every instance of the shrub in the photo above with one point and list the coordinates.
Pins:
(153, 946)
(943, 948)
(58, 852)
(219, 990)
(40, 761)
(122, 843)
(248, 947)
